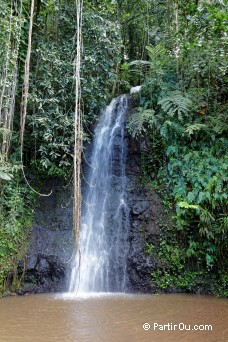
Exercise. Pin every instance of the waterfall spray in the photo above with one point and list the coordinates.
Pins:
(105, 215)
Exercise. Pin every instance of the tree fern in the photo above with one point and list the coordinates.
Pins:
(191, 129)
(219, 122)
(171, 130)
(157, 54)
(137, 122)
(158, 59)
(176, 104)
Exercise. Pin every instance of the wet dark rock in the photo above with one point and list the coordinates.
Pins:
(145, 212)
(140, 207)
(51, 242)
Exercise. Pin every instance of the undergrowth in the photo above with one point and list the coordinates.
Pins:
(16, 212)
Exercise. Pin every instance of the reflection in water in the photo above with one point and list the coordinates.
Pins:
(111, 317)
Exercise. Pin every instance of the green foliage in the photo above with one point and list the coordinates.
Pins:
(16, 213)
(149, 248)
(51, 105)
(56, 132)
(186, 205)
(136, 124)
(158, 59)
(172, 273)
(196, 127)
(198, 183)
(5, 171)
(185, 84)
(177, 271)
(178, 54)
(188, 281)
(176, 105)
(219, 121)
(11, 20)
(102, 47)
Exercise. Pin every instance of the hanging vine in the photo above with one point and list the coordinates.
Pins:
(78, 124)
(11, 26)
(24, 101)
(26, 79)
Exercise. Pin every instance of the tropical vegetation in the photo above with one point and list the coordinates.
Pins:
(177, 51)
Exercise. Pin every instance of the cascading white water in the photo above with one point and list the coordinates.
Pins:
(101, 263)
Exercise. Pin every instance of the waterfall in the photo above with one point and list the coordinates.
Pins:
(101, 263)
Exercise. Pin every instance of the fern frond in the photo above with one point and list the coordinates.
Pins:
(157, 52)
(219, 122)
(195, 127)
(171, 129)
(140, 63)
(176, 104)
(186, 205)
(138, 120)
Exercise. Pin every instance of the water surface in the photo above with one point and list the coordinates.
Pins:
(111, 317)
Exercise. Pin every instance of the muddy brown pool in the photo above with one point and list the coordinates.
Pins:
(117, 317)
